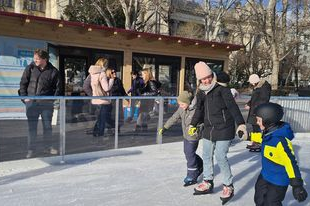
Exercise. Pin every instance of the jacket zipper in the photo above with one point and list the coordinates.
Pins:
(37, 82)
(223, 113)
(208, 115)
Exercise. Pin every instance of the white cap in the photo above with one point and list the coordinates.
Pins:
(254, 78)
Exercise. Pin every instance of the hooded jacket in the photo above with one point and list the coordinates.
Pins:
(279, 164)
(98, 84)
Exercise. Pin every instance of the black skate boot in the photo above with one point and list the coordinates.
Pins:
(227, 194)
(255, 147)
(206, 187)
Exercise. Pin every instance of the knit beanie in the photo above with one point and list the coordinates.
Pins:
(185, 97)
(254, 78)
(202, 70)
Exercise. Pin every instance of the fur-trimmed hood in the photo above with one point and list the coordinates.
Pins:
(96, 69)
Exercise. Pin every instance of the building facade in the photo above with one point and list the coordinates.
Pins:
(74, 46)
(43, 8)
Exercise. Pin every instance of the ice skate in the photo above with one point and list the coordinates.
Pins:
(227, 194)
(255, 148)
(206, 187)
(189, 181)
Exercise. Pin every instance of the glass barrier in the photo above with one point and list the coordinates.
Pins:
(174, 133)
(88, 127)
(53, 126)
(28, 129)
(56, 126)
(140, 123)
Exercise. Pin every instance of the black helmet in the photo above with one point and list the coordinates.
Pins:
(271, 113)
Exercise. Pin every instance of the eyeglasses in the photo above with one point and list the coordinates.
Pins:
(113, 72)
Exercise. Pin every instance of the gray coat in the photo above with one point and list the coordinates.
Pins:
(186, 118)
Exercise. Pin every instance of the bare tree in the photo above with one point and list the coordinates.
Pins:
(153, 15)
(214, 13)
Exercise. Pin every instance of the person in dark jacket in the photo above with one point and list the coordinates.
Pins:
(118, 90)
(261, 94)
(279, 165)
(218, 110)
(40, 78)
(136, 84)
(150, 89)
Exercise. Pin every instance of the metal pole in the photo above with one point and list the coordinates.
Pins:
(62, 122)
(297, 47)
(116, 123)
(159, 138)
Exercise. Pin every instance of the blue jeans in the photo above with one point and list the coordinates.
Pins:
(220, 150)
(104, 117)
(33, 111)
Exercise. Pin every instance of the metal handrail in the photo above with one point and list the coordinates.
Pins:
(297, 112)
(86, 97)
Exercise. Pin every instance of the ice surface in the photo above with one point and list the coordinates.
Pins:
(137, 176)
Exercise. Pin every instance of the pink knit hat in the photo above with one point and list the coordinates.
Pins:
(202, 70)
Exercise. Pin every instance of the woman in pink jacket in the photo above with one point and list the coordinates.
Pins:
(98, 83)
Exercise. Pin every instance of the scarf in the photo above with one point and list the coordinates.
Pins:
(207, 88)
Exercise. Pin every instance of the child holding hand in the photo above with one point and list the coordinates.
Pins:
(185, 112)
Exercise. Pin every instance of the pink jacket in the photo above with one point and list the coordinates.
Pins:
(101, 87)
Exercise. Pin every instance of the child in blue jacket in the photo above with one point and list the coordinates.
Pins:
(279, 165)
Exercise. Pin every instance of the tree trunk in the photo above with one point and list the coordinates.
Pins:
(271, 35)
(207, 19)
(275, 67)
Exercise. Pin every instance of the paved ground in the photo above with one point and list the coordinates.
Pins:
(136, 176)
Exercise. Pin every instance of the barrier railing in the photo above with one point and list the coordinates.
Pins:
(69, 129)
(73, 129)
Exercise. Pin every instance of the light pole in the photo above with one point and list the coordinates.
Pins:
(297, 47)
(222, 35)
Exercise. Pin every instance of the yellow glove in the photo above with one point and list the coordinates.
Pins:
(161, 131)
(192, 130)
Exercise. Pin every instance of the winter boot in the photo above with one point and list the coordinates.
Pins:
(255, 147)
(227, 194)
(189, 181)
(206, 187)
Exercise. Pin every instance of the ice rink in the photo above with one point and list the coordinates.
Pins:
(136, 176)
